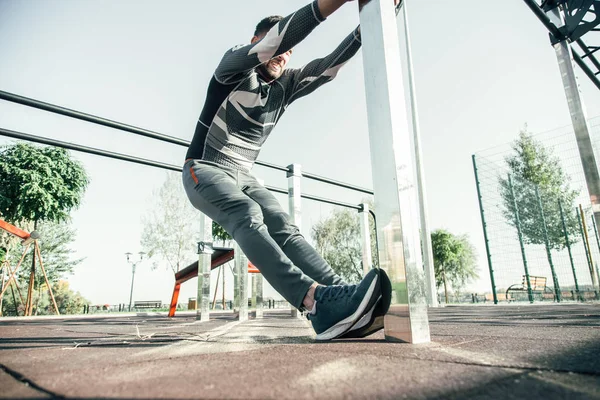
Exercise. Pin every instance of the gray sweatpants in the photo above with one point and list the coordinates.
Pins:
(256, 221)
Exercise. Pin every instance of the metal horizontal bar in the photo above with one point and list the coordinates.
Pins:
(336, 183)
(544, 19)
(138, 160)
(26, 101)
(85, 149)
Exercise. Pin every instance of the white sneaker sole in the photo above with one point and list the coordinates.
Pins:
(365, 318)
(344, 325)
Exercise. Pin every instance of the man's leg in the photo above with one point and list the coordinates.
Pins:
(216, 194)
(288, 237)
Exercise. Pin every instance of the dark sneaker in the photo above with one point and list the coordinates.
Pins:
(339, 307)
(372, 321)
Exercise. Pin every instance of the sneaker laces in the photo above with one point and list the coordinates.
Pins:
(334, 292)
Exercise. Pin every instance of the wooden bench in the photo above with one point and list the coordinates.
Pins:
(538, 286)
(147, 304)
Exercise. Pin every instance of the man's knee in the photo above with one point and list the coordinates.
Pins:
(280, 227)
(252, 219)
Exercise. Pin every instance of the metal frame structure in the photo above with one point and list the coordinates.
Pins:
(581, 18)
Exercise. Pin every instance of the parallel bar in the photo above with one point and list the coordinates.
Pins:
(142, 161)
(89, 118)
(26, 101)
(337, 183)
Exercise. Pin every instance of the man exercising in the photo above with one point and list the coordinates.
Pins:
(247, 95)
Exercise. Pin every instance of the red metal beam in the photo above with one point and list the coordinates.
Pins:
(13, 230)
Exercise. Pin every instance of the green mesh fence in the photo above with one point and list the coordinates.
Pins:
(542, 241)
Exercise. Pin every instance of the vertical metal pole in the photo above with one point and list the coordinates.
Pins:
(205, 251)
(568, 243)
(587, 255)
(547, 243)
(578, 113)
(598, 243)
(257, 294)
(394, 183)
(588, 249)
(518, 223)
(132, 279)
(422, 191)
(294, 176)
(485, 235)
(365, 238)
(240, 301)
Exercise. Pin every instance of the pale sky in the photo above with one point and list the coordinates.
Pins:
(483, 69)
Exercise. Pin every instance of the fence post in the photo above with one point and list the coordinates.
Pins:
(588, 250)
(548, 253)
(205, 250)
(564, 224)
(485, 235)
(294, 176)
(518, 223)
(365, 238)
(598, 242)
(240, 282)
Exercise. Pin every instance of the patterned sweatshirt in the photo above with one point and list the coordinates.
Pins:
(242, 107)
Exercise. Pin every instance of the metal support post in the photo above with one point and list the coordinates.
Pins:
(425, 232)
(485, 236)
(588, 249)
(598, 243)
(568, 244)
(564, 55)
(365, 238)
(519, 233)
(205, 251)
(240, 281)
(257, 294)
(394, 182)
(294, 176)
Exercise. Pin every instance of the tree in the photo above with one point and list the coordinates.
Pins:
(68, 301)
(454, 260)
(39, 184)
(337, 239)
(170, 228)
(534, 167)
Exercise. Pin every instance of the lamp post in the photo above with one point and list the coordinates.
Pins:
(133, 265)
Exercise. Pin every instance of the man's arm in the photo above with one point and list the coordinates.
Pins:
(305, 80)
